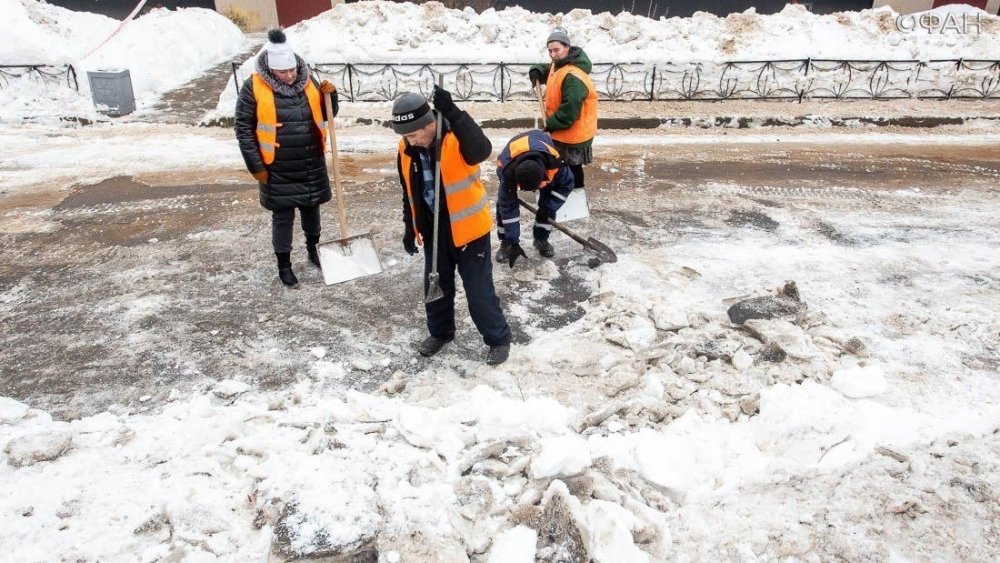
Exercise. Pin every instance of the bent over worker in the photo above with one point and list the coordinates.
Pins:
(463, 234)
(529, 162)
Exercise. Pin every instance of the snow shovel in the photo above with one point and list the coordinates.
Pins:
(541, 104)
(348, 257)
(434, 278)
(592, 245)
(576, 205)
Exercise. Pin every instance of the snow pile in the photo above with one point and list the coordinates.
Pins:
(162, 50)
(38, 33)
(402, 32)
(670, 450)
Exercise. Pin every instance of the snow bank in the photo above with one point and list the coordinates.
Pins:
(402, 32)
(390, 32)
(162, 50)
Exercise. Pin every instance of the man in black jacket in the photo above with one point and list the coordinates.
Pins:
(280, 119)
(465, 221)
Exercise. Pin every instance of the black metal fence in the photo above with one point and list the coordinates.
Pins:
(45, 75)
(628, 82)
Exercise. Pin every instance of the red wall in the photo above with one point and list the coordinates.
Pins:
(291, 12)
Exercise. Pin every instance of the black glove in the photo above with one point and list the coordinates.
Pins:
(443, 102)
(515, 251)
(543, 216)
(410, 242)
(535, 76)
(335, 103)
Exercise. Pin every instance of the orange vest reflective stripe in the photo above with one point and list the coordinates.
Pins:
(585, 127)
(267, 115)
(468, 206)
(522, 144)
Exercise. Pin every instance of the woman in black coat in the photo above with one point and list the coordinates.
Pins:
(290, 165)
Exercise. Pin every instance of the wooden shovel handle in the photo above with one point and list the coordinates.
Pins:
(328, 99)
(541, 104)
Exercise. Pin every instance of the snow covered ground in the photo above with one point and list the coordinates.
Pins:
(162, 50)
(219, 416)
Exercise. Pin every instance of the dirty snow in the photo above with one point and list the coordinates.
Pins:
(707, 471)
(648, 428)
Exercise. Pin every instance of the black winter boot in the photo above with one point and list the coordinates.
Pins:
(503, 255)
(544, 248)
(498, 354)
(432, 345)
(285, 270)
(311, 243)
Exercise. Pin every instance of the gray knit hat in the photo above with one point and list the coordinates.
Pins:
(410, 112)
(559, 34)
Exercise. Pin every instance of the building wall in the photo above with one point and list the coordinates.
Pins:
(262, 15)
(259, 15)
(291, 12)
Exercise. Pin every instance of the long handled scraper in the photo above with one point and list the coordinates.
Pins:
(350, 256)
(434, 291)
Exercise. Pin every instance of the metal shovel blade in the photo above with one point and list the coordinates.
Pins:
(349, 258)
(575, 207)
(433, 288)
(601, 251)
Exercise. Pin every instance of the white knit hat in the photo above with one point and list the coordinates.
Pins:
(279, 53)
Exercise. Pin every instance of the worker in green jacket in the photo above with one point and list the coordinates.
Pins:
(570, 102)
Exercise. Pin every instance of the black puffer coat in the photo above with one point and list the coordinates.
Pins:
(298, 176)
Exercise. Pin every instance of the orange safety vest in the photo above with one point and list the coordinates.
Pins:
(585, 127)
(267, 115)
(521, 144)
(468, 207)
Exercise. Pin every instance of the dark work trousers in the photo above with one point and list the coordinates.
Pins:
(575, 157)
(475, 265)
(577, 170)
(550, 199)
(283, 221)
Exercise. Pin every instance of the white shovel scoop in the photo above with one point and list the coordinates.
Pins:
(348, 257)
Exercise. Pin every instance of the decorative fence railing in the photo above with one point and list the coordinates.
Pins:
(46, 75)
(627, 82)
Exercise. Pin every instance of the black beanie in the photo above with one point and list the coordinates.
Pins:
(529, 174)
